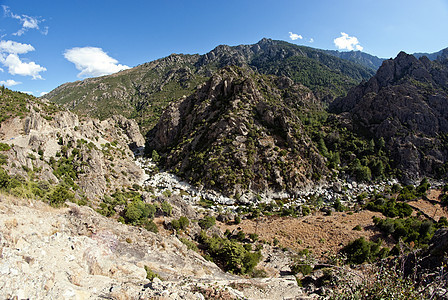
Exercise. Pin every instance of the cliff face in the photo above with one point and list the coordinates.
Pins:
(406, 104)
(240, 131)
(93, 157)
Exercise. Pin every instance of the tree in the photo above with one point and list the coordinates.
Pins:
(207, 222)
(59, 195)
(155, 156)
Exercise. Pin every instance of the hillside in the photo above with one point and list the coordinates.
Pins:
(240, 131)
(359, 57)
(48, 150)
(282, 203)
(405, 103)
(145, 91)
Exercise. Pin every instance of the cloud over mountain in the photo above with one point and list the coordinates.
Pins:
(346, 42)
(93, 61)
(295, 36)
(9, 82)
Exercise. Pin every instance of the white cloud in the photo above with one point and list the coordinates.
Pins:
(27, 22)
(9, 58)
(311, 40)
(17, 67)
(45, 30)
(92, 61)
(9, 82)
(347, 42)
(43, 93)
(15, 47)
(294, 36)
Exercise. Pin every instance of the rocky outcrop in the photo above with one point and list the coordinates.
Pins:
(101, 152)
(240, 131)
(406, 104)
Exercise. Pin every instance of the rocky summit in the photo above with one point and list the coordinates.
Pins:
(240, 131)
(406, 104)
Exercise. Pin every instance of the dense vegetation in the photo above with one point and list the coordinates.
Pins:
(352, 152)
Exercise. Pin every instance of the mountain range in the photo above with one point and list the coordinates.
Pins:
(283, 155)
(254, 116)
(144, 91)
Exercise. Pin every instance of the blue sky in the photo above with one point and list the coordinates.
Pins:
(46, 43)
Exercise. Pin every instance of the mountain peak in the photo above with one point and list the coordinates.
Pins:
(264, 41)
(405, 103)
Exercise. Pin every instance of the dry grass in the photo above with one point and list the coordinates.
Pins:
(320, 234)
(434, 211)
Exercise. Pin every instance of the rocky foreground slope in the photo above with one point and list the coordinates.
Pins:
(75, 253)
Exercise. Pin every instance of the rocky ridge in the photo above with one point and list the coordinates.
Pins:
(144, 91)
(240, 132)
(404, 103)
(100, 153)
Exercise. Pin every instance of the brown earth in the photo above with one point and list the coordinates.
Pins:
(323, 235)
(431, 208)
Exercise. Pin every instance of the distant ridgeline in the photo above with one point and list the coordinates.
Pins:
(277, 116)
(145, 91)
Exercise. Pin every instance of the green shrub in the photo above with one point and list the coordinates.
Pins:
(175, 224)
(151, 226)
(409, 230)
(166, 208)
(360, 250)
(230, 255)
(207, 222)
(155, 156)
(4, 147)
(190, 244)
(184, 222)
(240, 236)
(306, 210)
(150, 274)
(253, 237)
(4, 179)
(390, 208)
(137, 212)
(60, 195)
(305, 269)
(337, 205)
(275, 242)
(357, 228)
(3, 159)
(133, 214)
(237, 220)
